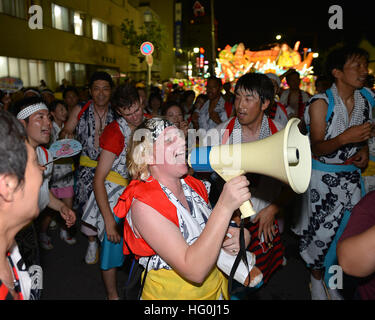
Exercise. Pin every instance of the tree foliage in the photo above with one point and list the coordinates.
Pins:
(152, 31)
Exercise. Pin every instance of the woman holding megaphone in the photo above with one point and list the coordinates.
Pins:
(169, 218)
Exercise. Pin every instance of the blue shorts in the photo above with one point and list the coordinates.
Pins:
(111, 254)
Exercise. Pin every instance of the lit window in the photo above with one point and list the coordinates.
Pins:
(14, 8)
(33, 72)
(29, 71)
(14, 70)
(60, 17)
(72, 72)
(63, 71)
(78, 24)
(42, 72)
(37, 72)
(3, 66)
(99, 30)
(24, 72)
(79, 74)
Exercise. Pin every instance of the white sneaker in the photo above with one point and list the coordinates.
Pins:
(65, 236)
(335, 294)
(318, 291)
(45, 241)
(52, 225)
(92, 254)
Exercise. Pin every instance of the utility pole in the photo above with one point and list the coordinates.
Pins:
(213, 57)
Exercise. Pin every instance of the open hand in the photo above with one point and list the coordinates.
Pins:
(266, 219)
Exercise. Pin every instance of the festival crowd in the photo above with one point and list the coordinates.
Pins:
(131, 192)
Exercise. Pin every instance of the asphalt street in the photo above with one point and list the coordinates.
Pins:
(66, 276)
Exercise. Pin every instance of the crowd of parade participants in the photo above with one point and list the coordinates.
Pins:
(130, 191)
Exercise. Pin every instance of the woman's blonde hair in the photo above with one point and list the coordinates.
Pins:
(140, 147)
(140, 150)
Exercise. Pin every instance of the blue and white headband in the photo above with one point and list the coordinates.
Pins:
(28, 111)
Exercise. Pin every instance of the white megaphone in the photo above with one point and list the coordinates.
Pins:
(285, 156)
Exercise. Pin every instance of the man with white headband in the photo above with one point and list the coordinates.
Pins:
(28, 111)
(20, 180)
(35, 117)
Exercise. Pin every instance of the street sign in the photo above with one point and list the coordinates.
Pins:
(147, 48)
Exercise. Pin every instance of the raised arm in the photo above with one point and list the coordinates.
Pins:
(68, 131)
(196, 261)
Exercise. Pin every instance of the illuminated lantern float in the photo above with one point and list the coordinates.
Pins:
(235, 61)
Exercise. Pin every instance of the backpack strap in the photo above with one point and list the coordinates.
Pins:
(368, 96)
(331, 101)
(241, 255)
(131, 271)
(230, 127)
(143, 280)
(331, 104)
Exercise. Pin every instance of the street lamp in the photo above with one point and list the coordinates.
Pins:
(278, 37)
(196, 50)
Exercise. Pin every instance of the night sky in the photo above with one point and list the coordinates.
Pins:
(257, 22)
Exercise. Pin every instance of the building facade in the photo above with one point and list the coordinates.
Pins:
(78, 37)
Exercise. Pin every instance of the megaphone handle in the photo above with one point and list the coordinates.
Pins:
(247, 210)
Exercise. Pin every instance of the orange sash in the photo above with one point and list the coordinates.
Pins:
(150, 193)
